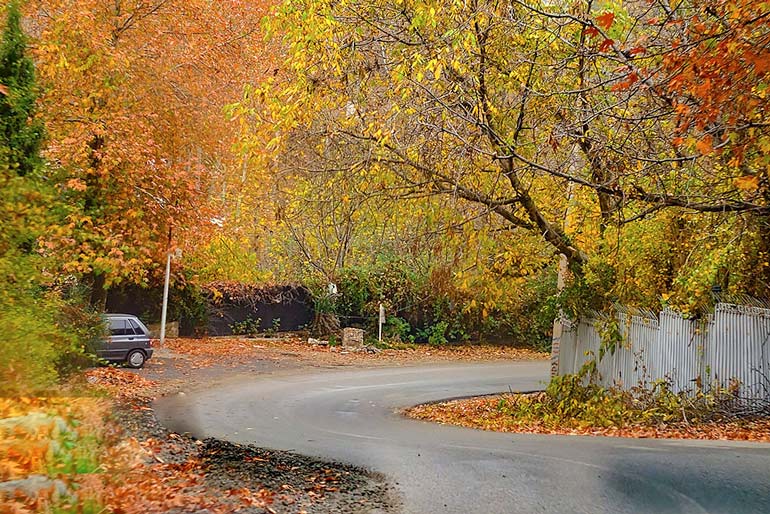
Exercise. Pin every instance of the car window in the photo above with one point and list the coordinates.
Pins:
(137, 329)
(120, 327)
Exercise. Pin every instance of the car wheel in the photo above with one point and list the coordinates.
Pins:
(135, 359)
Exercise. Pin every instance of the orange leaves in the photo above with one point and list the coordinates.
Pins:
(485, 413)
(121, 383)
(720, 75)
(34, 430)
(747, 182)
(226, 351)
(604, 21)
(133, 103)
(261, 498)
(705, 145)
(76, 184)
(70, 438)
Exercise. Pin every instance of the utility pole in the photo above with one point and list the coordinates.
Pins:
(381, 320)
(164, 307)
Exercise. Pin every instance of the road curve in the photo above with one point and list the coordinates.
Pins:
(351, 416)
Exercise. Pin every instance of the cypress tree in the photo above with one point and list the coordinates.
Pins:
(20, 133)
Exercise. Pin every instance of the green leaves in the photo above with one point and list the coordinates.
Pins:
(21, 133)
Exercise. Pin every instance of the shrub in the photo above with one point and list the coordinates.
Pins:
(570, 402)
(397, 329)
(247, 327)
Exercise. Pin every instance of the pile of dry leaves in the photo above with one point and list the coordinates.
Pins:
(121, 384)
(68, 455)
(486, 413)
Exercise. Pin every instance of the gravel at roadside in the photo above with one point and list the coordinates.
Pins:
(287, 482)
(273, 481)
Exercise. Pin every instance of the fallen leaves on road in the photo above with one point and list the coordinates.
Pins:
(234, 350)
(121, 384)
(484, 413)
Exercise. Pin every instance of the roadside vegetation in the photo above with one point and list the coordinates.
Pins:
(75, 455)
(572, 405)
(475, 167)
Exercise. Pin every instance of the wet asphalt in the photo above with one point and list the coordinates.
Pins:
(353, 416)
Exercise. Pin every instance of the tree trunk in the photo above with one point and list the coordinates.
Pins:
(561, 282)
(98, 298)
(326, 323)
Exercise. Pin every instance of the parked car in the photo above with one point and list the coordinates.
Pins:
(128, 341)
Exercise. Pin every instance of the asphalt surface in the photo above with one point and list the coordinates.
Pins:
(351, 416)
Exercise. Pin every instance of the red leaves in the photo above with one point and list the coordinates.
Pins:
(606, 19)
(718, 75)
(606, 45)
(631, 79)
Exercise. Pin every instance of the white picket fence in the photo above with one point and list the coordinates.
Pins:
(732, 344)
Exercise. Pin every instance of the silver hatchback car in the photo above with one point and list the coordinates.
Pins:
(128, 341)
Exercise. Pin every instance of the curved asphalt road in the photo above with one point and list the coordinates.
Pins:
(350, 416)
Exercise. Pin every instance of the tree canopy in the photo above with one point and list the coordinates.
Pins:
(595, 126)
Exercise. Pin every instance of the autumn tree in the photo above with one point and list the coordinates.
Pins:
(134, 98)
(561, 119)
(39, 336)
(718, 74)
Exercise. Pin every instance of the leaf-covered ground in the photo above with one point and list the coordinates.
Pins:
(486, 413)
(99, 448)
(235, 348)
(186, 363)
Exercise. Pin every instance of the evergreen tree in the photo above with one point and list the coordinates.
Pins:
(20, 134)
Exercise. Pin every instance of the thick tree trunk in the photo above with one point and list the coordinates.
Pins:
(326, 323)
(98, 298)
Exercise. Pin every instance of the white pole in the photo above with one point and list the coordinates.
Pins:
(381, 321)
(165, 300)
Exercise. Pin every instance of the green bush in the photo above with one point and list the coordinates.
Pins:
(247, 327)
(397, 329)
(428, 305)
(28, 359)
(45, 338)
